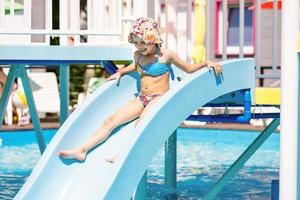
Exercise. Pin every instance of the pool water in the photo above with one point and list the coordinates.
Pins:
(203, 155)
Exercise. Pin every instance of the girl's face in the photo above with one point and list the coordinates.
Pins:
(144, 48)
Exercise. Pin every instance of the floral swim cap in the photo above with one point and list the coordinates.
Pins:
(146, 29)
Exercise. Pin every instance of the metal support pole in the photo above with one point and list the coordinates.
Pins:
(64, 92)
(170, 161)
(171, 24)
(298, 133)
(63, 20)
(275, 38)
(239, 163)
(32, 108)
(6, 92)
(20, 71)
(241, 28)
(141, 191)
(257, 38)
(289, 146)
(208, 30)
(225, 29)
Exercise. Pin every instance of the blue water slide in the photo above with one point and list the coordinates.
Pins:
(56, 178)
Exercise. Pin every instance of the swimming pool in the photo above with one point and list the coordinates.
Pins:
(203, 156)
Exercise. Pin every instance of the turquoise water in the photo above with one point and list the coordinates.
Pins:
(203, 156)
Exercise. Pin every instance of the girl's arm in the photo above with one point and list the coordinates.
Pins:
(120, 72)
(127, 69)
(190, 68)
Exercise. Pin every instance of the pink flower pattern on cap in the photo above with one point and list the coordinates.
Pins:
(146, 29)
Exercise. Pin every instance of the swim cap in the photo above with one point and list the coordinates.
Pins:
(146, 29)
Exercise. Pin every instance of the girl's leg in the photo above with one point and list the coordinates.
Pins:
(146, 109)
(129, 111)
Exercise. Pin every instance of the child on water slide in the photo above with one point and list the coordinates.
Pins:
(153, 63)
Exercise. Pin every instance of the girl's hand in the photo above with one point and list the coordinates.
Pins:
(116, 76)
(216, 66)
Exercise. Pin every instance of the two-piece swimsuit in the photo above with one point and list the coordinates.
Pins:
(155, 68)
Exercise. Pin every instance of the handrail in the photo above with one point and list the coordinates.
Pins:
(66, 31)
(57, 32)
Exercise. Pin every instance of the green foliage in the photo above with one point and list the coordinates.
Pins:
(76, 82)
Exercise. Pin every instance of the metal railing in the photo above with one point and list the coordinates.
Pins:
(275, 72)
(69, 22)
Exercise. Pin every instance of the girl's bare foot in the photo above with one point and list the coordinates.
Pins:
(73, 154)
(111, 160)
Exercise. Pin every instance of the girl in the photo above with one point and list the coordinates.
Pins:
(153, 63)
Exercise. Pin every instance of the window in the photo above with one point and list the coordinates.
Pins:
(233, 29)
(18, 6)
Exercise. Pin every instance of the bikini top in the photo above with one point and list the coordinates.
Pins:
(155, 68)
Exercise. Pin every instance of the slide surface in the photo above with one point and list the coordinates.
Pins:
(56, 178)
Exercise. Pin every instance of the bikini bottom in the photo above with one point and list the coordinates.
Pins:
(145, 99)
